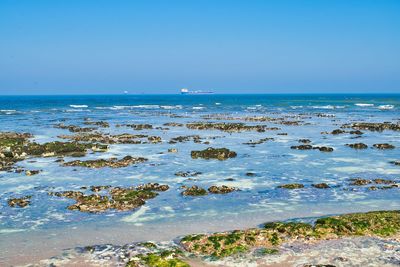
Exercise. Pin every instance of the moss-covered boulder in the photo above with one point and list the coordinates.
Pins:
(213, 153)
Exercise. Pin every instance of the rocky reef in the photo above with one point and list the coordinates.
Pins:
(213, 153)
(223, 189)
(15, 147)
(273, 234)
(194, 191)
(111, 162)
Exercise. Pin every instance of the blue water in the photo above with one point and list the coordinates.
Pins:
(273, 162)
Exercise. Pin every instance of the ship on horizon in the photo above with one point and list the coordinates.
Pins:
(185, 91)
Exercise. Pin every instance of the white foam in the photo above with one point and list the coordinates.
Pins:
(386, 107)
(198, 108)
(364, 105)
(134, 216)
(78, 106)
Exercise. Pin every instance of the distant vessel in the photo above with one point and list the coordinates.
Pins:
(185, 91)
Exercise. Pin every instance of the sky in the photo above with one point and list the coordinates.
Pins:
(256, 46)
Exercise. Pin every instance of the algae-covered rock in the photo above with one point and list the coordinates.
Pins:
(112, 162)
(291, 186)
(194, 191)
(321, 186)
(223, 189)
(19, 202)
(118, 198)
(213, 153)
(226, 127)
(373, 126)
(357, 146)
(384, 146)
(376, 223)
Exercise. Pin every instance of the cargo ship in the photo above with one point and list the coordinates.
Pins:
(185, 91)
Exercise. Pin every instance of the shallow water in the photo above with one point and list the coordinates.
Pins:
(46, 223)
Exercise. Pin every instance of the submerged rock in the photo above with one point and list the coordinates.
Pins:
(103, 124)
(194, 191)
(187, 173)
(213, 153)
(140, 126)
(74, 128)
(359, 181)
(172, 150)
(20, 202)
(396, 162)
(304, 141)
(302, 147)
(186, 138)
(291, 186)
(261, 141)
(112, 162)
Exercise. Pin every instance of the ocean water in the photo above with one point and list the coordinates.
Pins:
(47, 222)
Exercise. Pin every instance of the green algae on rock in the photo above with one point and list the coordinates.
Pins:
(118, 198)
(373, 126)
(166, 258)
(376, 223)
(213, 153)
(194, 191)
(225, 127)
(223, 189)
(16, 147)
(291, 186)
(111, 162)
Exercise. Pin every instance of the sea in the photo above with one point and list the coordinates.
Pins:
(46, 227)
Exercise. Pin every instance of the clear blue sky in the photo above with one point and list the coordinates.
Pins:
(83, 46)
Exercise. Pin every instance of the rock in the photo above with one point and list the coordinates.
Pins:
(373, 126)
(154, 139)
(74, 128)
(321, 186)
(253, 143)
(187, 138)
(31, 172)
(124, 138)
(20, 202)
(173, 124)
(291, 186)
(302, 147)
(187, 173)
(357, 132)
(338, 131)
(359, 181)
(396, 162)
(274, 234)
(384, 146)
(121, 199)
(223, 189)
(250, 174)
(357, 146)
(172, 150)
(304, 141)
(194, 191)
(153, 187)
(323, 148)
(112, 162)
(226, 127)
(213, 153)
(139, 127)
(97, 123)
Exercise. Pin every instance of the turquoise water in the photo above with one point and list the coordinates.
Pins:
(258, 200)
